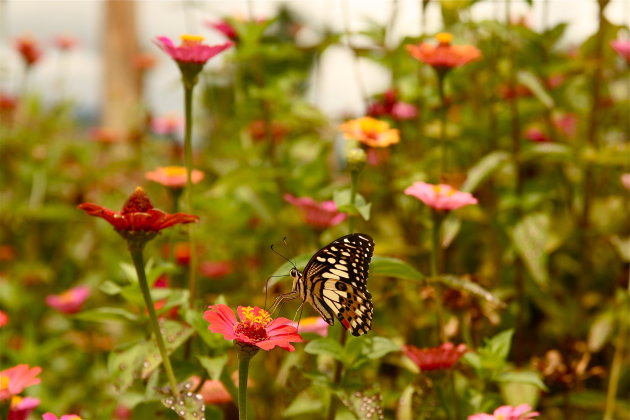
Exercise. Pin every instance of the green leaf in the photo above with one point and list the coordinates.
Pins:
(531, 81)
(175, 334)
(213, 365)
(106, 314)
(548, 151)
(498, 346)
(378, 347)
(325, 346)
(600, 331)
(307, 402)
(460, 283)
(124, 365)
(110, 288)
(394, 267)
(523, 376)
(483, 169)
(530, 237)
(622, 246)
(213, 340)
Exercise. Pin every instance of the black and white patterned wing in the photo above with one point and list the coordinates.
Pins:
(336, 282)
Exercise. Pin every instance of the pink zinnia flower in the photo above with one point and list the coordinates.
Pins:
(22, 407)
(440, 197)
(192, 50)
(536, 135)
(507, 412)
(319, 215)
(51, 416)
(312, 324)
(64, 42)
(168, 125)
(70, 301)
(625, 181)
(4, 319)
(435, 358)
(15, 379)
(566, 123)
(256, 327)
(174, 176)
(622, 46)
(224, 27)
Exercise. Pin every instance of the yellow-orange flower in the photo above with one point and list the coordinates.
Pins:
(173, 176)
(370, 131)
(444, 56)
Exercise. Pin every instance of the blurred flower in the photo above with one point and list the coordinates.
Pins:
(390, 106)
(50, 416)
(507, 412)
(8, 103)
(536, 135)
(224, 27)
(70, 301)
(4, 319)
(105, 135)
(444, 56)
(138, 219)
(356, 158)
(312, 324)
(435, 358)
(7, 253)
(320, 215)
(15, 379)
(29, 49)
(256, 327)
(568, 367)
(625, 181)
(567, 124)
(144, 61)
(370, 131)
(182, 253)
(376, 157)
(168, 125)
(212, 391)
(173, 176)
(261, 130)
(64, 42)
(509, 92)
(215, 269)
(21, 407)
(440, 197)
(622, 46)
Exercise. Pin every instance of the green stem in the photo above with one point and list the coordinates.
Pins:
(353, 198)
(243, 374)
(192, 268)
(435, 264)
(5, 408)
(443, 114)
(136, 256)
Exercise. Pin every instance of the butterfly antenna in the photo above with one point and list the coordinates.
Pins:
(284, 240)
(285, 258)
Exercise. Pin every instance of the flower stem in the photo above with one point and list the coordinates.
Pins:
(243, 374)
(138, 262)
(192, 268)
(353, 197)
(443, 113)
(435, 264)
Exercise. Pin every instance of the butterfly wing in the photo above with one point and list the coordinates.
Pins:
(335, 282)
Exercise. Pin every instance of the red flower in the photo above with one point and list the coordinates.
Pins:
(15, 379)
(191, 50)
(256, 327)
(444, 56)
(390, 106)
(29, 49)
(144, 61)
(435, 358)
(70, 301)
(319, 215)
(212, 391)
(4, 319)
(64, 42)
(21, 407)
(215, 269)
(536, 135)
(138, 215)
(440, 197)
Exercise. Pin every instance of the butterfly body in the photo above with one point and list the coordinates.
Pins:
(334, 282)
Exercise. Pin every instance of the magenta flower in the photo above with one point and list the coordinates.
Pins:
(567, 124)
(622, 46)
(4, 319)
(224, 27)
(21, 407)
(192, 50)
(440, 197)
(507, 412)
(15, 379)
(256, 327)
(536, 135)
(625, 181)
(51, 416)
(312, 324)
(390, 106)
(319, 215)
(435, 358)
(168, 125)
(69, 302)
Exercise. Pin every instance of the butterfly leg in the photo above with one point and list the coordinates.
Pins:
(280, 299)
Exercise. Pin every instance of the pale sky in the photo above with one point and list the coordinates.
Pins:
(80, 72)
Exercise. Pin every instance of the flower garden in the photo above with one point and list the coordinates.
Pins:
(460, 249)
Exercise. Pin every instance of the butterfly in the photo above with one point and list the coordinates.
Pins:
(334, 282)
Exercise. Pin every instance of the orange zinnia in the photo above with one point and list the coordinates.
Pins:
(370, 131)
(444, 56)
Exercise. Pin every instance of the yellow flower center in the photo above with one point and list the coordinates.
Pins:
(174, 171)
(191, 40)
(444, 38)
(15, 401)
(263, 317)
(4, 382)
(67, 297)
(441, 190)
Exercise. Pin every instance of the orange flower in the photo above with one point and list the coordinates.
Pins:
(173, 176)
(29, 49)
(370, 131)
(444, 56)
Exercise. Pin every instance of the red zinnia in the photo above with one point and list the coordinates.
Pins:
(29, 49)
(15, 379)
(435, 358)
(4, 319)
(256, 327)
(137, 215)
